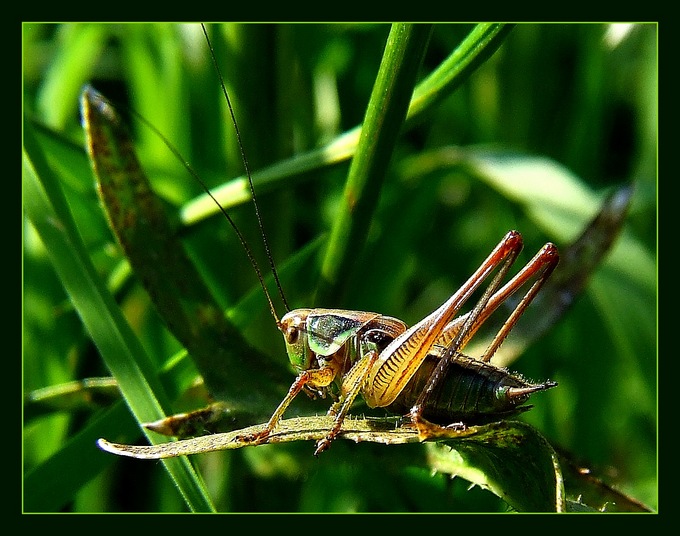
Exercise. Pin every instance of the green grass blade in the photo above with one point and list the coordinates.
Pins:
(510, 458)
(479, 45)
(46, 207)
(385, 115)
(225, 360)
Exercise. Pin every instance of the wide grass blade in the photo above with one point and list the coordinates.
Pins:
(47, 208)
(511, 459)
(224, 359)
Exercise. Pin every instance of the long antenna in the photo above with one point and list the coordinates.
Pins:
(195, 175)
(252, 191)
(240, 236)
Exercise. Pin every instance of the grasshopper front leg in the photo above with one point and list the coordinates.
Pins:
(332, 345)
(351, 385)
(317, 377)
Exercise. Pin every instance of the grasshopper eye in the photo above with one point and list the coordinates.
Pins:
(292, 324)
(293, 328)
(292, 334)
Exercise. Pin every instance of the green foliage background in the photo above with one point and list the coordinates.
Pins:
(571, 93)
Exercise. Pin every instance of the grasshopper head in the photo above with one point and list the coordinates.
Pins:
(292, 325)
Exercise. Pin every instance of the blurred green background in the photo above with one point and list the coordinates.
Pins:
(579, 101)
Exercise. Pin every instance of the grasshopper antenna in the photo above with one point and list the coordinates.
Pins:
(252, 194)
(239, 235)
(195, 175)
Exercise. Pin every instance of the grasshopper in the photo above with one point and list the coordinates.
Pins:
(418, 371)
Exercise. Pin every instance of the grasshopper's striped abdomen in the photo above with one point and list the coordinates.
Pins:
(472, 392)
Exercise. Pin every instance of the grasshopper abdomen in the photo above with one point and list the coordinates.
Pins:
(472, 392)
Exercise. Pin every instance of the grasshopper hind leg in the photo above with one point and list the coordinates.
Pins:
(509, 400)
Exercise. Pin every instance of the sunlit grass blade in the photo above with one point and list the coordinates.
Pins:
(511, 459)
(87, 393)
